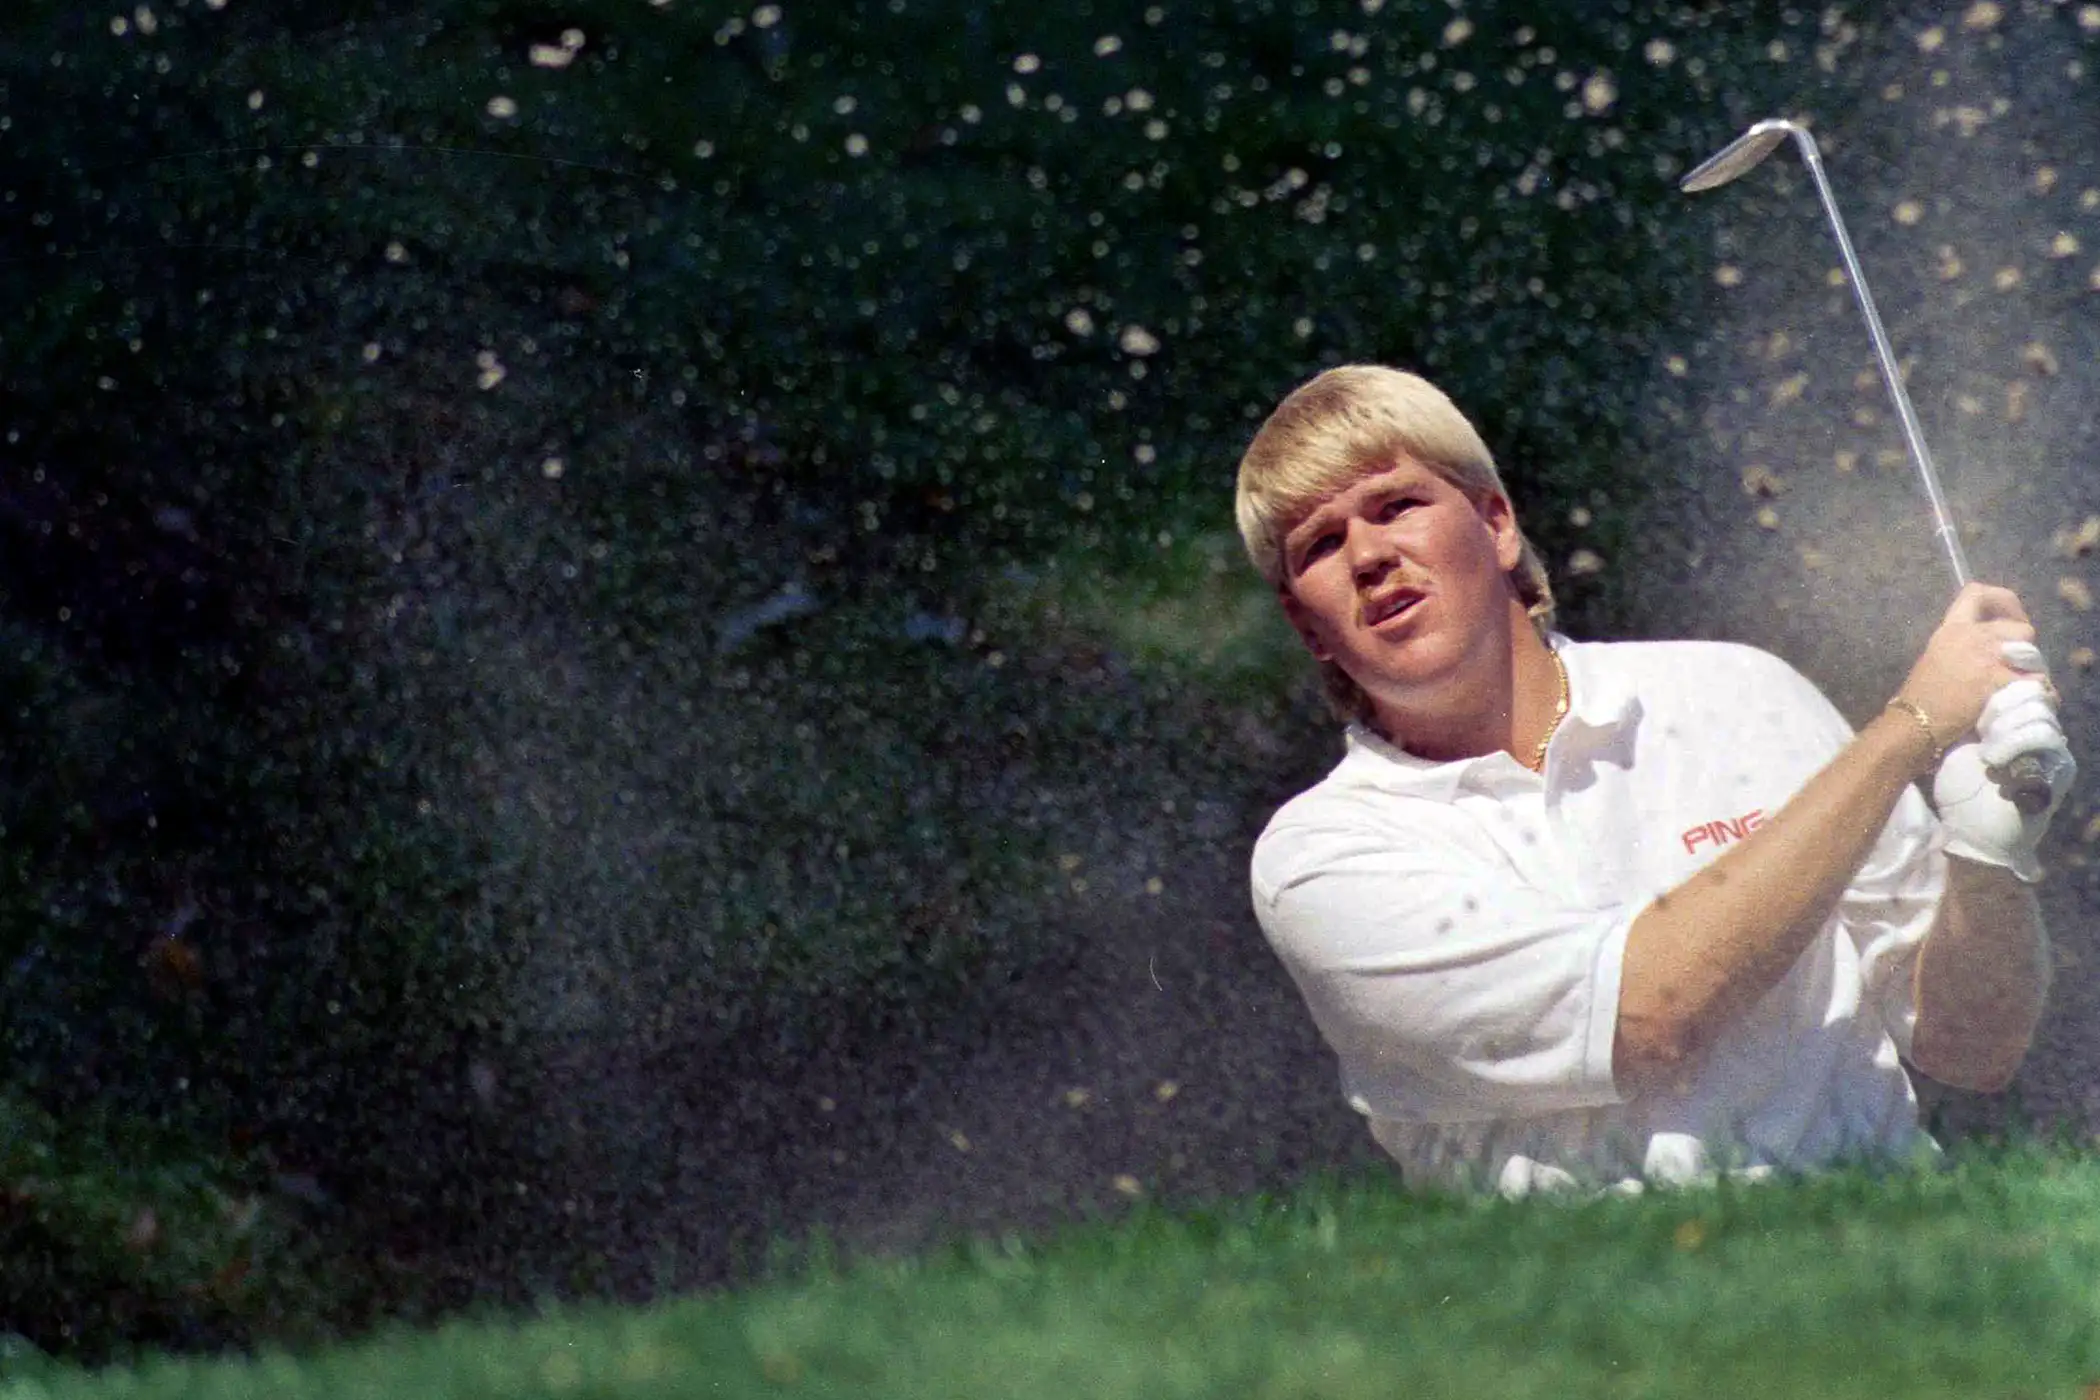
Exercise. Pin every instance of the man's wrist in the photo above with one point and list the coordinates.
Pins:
(2024, 866)
(1909, 743)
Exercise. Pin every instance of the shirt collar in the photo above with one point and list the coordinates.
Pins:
(1601, 701)
(1601, 696)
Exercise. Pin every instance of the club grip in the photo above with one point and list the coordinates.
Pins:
(2025, 785)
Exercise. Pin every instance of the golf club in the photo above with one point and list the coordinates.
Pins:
(2023, 779)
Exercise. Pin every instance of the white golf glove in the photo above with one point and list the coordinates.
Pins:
(1982, 823)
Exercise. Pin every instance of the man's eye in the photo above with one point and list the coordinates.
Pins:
(1395, 506)
(1320, 546)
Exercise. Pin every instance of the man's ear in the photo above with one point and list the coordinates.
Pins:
(1301, 623)
(1500, 517)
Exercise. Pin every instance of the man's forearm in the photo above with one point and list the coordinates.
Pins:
(1982, 979)
(1702, 953)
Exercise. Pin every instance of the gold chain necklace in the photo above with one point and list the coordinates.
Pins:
(1560, 710)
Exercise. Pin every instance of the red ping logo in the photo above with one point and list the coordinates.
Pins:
(1720, 833)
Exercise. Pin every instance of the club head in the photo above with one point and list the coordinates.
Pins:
(1740, 156)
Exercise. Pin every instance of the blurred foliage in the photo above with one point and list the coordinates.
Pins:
(121, 1239)
(527, 522)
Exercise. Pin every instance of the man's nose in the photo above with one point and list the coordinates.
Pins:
(1371, 550)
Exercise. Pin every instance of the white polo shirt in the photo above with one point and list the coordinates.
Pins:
(1457, 931)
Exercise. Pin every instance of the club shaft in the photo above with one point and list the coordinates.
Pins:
(1913, 435)
(2028, 787)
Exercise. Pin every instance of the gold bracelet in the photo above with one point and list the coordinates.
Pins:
(1917, 712)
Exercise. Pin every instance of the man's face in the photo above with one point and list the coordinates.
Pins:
(1400, 580)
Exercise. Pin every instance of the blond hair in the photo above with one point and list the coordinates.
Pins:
(1348, 423)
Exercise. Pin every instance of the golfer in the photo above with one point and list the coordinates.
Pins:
(1587, 916)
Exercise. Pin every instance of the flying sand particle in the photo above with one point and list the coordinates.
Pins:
(1969, 119)
(1136, 340)
(1761, 482)
(2078, 543)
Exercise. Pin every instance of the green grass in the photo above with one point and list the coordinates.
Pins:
(1980, 1280)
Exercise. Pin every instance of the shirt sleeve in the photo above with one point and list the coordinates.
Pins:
(1893, 899)
(1449, 988)
(1890, 907)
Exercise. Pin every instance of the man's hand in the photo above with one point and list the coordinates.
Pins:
(1983, 824)
(1970, 657)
